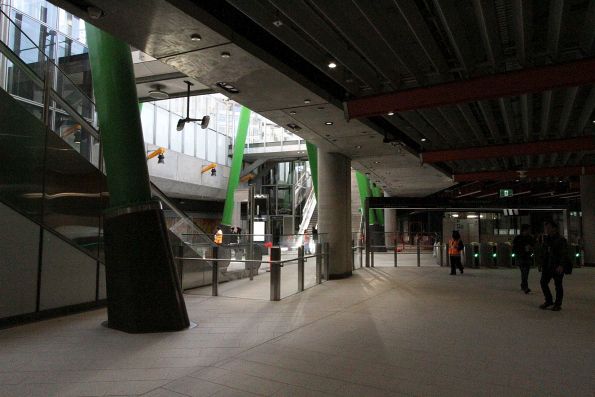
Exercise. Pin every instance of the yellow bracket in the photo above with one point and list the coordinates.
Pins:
(208, 167)
(247, 178)
(156, 153)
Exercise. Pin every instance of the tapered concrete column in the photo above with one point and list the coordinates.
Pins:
(588, 209)
(390, 225)
(334, 210)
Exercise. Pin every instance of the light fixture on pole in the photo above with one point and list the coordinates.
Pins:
(204, 122)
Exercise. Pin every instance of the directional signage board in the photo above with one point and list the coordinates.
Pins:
(506, 193)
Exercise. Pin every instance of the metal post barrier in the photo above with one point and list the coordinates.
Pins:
(318, 263)
(275, 274)
(395, 255)
(215, 273)
(300, 268)
(353, 249)
(327, 267)
(181, 263)
(372, 256)
(418, 253)
(361, 254)
(440, 248)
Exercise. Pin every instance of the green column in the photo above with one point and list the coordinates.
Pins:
(236, 165)
(119, 119)
(313, 159)
(377, 192)
(363, 187)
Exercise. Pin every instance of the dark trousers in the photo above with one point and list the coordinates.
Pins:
(546, 277)
(455, 262)
(524, 266)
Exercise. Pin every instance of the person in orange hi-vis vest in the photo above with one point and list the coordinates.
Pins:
(455, 246)
(219, 236)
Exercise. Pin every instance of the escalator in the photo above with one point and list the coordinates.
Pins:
(53, 186)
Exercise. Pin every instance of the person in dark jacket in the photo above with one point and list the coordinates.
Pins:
(455, 247)
(522, 246)
(555, 262)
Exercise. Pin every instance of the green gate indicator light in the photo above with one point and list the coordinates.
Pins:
(476, 255)
(578, 254)
(513, 255)
(493, 255)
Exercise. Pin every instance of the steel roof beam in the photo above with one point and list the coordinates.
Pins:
(507, 175)
(508, 84)
(577, 144)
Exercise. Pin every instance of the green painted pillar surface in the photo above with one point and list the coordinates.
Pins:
(236, 165)
(377, 192)
(363, 187)
(313, 159)
(119, 119)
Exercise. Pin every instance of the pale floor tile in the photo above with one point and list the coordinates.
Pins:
(384, 331)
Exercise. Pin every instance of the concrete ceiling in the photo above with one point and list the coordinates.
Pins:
(268, 86)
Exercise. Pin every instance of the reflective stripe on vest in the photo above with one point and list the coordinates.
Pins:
(453, 248)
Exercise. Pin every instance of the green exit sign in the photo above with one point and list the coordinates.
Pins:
(505, 192)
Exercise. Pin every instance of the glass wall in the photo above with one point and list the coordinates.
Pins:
(160, 118)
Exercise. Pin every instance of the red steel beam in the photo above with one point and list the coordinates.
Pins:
(530, 173)
(576, 144)
(514, 83)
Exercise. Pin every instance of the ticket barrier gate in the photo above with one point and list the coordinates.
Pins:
(488, 255)
(504, 254)
(471, 257)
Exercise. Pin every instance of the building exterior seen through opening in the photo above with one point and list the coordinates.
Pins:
(275, 192)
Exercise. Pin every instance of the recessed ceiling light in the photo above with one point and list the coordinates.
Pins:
(195, 37)
(293, 112)
(332, 64)
(424, 139)
(225, 54)
(307, 101)
(376, 162)
(391, 113)
(278, 23)
(328, 122)
(358, 146)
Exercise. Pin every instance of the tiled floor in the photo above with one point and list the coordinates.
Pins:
(383, 332)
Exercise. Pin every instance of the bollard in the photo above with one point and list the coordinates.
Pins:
(318, 264)
(215, 273)
(441, 249)
(418, 253)
(372, 256)
(395, 256)
(300, 268)
(275, 274)
(326, 254)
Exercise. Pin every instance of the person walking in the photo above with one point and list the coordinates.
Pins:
(555, 263)
(522, 247)
(455, 247)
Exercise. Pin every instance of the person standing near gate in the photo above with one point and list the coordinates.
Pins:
(455, 247)
(555, 263)
(522, 247)
(306, 243)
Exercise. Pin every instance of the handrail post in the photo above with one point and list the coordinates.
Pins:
(372, 254)
(395, 254)
(300, 268)
(418, 253)
(215, 273)
(361, 254)
(181, 264)
(318, 263)
(275, 274)
(441, 254)
(353, 249)
(326, 254)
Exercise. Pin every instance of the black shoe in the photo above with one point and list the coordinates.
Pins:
(556, 308)
(545, 305)
(527, 290)
(462, 271)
